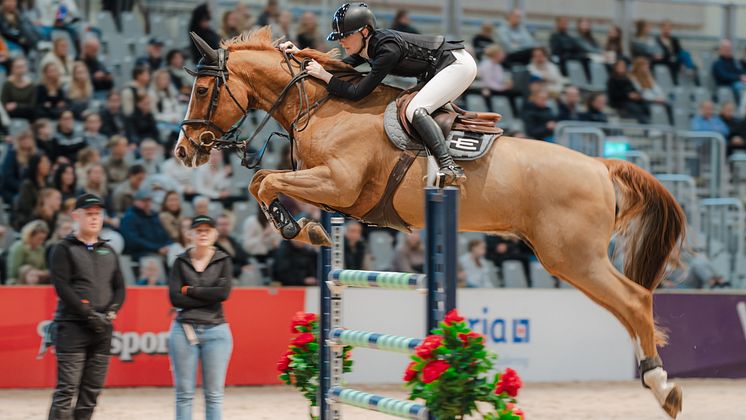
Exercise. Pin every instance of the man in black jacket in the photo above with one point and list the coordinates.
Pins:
(90, 289)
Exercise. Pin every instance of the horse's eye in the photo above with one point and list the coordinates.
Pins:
(201, 91)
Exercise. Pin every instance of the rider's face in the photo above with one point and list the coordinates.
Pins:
(352, 43)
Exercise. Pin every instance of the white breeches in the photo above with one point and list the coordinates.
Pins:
(445, 86)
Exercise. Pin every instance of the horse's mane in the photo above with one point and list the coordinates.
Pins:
(260, 39)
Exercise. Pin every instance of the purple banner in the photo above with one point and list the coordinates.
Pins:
(707, 334)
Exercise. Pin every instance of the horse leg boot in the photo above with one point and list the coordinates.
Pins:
(449, 173)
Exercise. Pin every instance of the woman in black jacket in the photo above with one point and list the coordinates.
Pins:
(199, 282)
(624, 97)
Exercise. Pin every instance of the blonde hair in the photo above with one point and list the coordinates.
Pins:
(24, 157)
(33, 227)
(44, 196)
(45, 81)
(492, 50)
(642, 76)
(80, 89)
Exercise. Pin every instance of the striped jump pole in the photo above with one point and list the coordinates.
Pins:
(439, 282)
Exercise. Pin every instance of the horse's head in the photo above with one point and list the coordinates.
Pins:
(217, 102)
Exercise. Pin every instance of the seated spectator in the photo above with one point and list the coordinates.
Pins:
(28, 253)
(60, 55)
(96, 181)
(123, 194)
(736, 128)
(229, 27)
(410, 254)
(624, 97)
(67, 143)
(59, 15)
(563, 45)
(477, 269)
(483, 39)
(355, 251)
(47, 209)
(538, 117)
(181, 80)
(51, 99)
(15, 163)
(200, 23)
(18, 92)
(644, 44)
(92, 133)
(726, 70)
(113, 121)
(35, 179)
(154, 57)
(308, 36)
(516, 39)
(141, 124)
(213, 179)
(177, 171)
(674, 56)
(182, 242)
(613, 50)
(569, 105)
(136, 88)
(150, 158)
(142, 230)
(295, 264)
(260, 238)
(402, 23)
(86, 157)
(282, 27)
(546, 71)
(644, 82)
(269, 13)
(151, 273)
(63, 228)
(228, 244)
(596, 106)
(244, 21)
(587, 43)
(44, 136)
(201, 205)
(15, 27)
(705, 120)
(117, 163)
(496, 78)
(171, 214)
(80, 92)
(65, 181)
(101, 77)
(169, 110)
(506, 248)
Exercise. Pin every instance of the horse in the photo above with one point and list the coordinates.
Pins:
(565, 205)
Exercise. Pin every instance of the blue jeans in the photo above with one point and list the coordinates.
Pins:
(214, 352)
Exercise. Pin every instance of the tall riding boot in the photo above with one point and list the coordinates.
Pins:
(431, 134)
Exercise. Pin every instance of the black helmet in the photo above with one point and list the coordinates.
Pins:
(350, 18)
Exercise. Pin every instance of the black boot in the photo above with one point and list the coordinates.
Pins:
(449, 173)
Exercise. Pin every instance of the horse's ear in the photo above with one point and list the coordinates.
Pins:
(210, 55)
(190, 72)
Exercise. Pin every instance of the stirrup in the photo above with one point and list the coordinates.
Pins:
(451, 175)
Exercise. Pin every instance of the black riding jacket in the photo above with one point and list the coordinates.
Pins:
(399, 54)
(85, 278)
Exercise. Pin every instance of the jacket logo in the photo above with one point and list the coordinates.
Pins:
(103, 251)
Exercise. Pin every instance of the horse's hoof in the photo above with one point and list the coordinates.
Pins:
(674, 401)
(317, 234)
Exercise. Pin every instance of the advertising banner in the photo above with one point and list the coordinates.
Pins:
(259, 320)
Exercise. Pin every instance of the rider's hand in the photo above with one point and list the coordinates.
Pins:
(288, 47)
(316, 70)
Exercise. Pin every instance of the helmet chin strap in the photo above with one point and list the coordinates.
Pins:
(365, 41)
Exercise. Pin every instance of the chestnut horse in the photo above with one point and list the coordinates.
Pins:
(564, 204)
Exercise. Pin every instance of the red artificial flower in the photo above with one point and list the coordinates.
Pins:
(283, 363)
(432, 371)
(509, 383)
(453, 317)
(465, 337)
(428, 345)
(518, 412)
(303, 339)
(410, 373)
(301, 319)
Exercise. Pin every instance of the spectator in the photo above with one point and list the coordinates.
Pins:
(213, 179)
(51, 99)
(402, 23)
(142, 230)
(64, 227)
(228, 244)
(151, 273)
(201, 205)
(34, 181)
(569, 105)
(48, 207)
(92, 133)
(538, 117)
(546, 71)
(200, 24)
(67, 143)
(736, 128)
(410, 254)
(563, 45)
(100, 76)
(16, 28)
(60, 56)
(613, 50)
(149, 158)
(182, 242)
(117, 163)
(65, 181)
(707, 121)
(179, 77)
(81, 89)
(141, 124)
(169, 111)
(698, 273)
(624, 97)
(28, 253)
(44, 136)
(644, 44)
(596, 106)
(96, 181)
(516, 39)
(355, 249)
(260, 238)
(177, 171)
(269, 14)
(113, 121)
(674, 56)
(59, 15)
(283, 26)
(308, 36)
(586, 41)
(15, 163)
(170, 214)
(496, 78)
(501, 249)
(136, 88)
(727, 71)
(123, 194)
(644, 82)
(295, 264)
(18, 92)
(229, 28)
(154, 57)
(244, 21)
(478, 270)
(483, 39)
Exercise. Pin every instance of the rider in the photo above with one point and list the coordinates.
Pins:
(445, 67)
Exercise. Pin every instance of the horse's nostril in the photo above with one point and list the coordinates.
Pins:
(181, 152)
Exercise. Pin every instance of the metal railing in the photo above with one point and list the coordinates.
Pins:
(723, 225)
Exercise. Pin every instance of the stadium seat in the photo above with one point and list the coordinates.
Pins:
(380, 244)
(131, 25)
(215, 209)
(242, 210)
(105, 23)
(540, 279)
(599, 76)
(17, 125)
(659, 115)
(725, 95)
(662, 75)
(700, 94)
(513, 276)
(681, 119)
(125, 263)
(576, 74)
(475, 102)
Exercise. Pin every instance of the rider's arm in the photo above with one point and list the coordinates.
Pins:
(386, 58)
(353, 60)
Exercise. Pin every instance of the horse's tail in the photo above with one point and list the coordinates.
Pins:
(649, 220)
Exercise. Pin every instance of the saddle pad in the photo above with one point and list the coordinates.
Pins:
(462, 145)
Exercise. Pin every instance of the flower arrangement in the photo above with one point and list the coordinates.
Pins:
(299, 366)
(450, 371)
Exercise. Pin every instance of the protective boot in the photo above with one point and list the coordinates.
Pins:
(449, 173)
